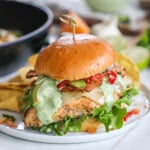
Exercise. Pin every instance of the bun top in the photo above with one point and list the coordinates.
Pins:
(67, 59)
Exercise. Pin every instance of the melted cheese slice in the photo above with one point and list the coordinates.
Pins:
(95, 95)
(103, 94)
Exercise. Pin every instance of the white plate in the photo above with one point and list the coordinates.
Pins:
(141, 102)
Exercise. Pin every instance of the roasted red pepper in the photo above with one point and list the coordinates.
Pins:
(95, 78)
(112, 77)
(62, 84)
(91, 82)
(130, 113)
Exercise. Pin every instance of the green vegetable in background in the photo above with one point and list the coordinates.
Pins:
(145, 39)
(123, 19)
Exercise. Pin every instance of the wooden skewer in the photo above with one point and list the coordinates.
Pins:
(70, 21)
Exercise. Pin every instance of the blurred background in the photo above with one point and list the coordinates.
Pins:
(29, 25)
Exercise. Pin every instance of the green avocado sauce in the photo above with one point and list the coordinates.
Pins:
(48, 99)
(108, 91)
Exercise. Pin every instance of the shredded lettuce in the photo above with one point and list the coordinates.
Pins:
(28, 101)
(116, 115)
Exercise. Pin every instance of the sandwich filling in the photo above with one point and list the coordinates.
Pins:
(107, 90)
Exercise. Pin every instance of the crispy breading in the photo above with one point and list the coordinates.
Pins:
(73, 109)
(31, 119)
